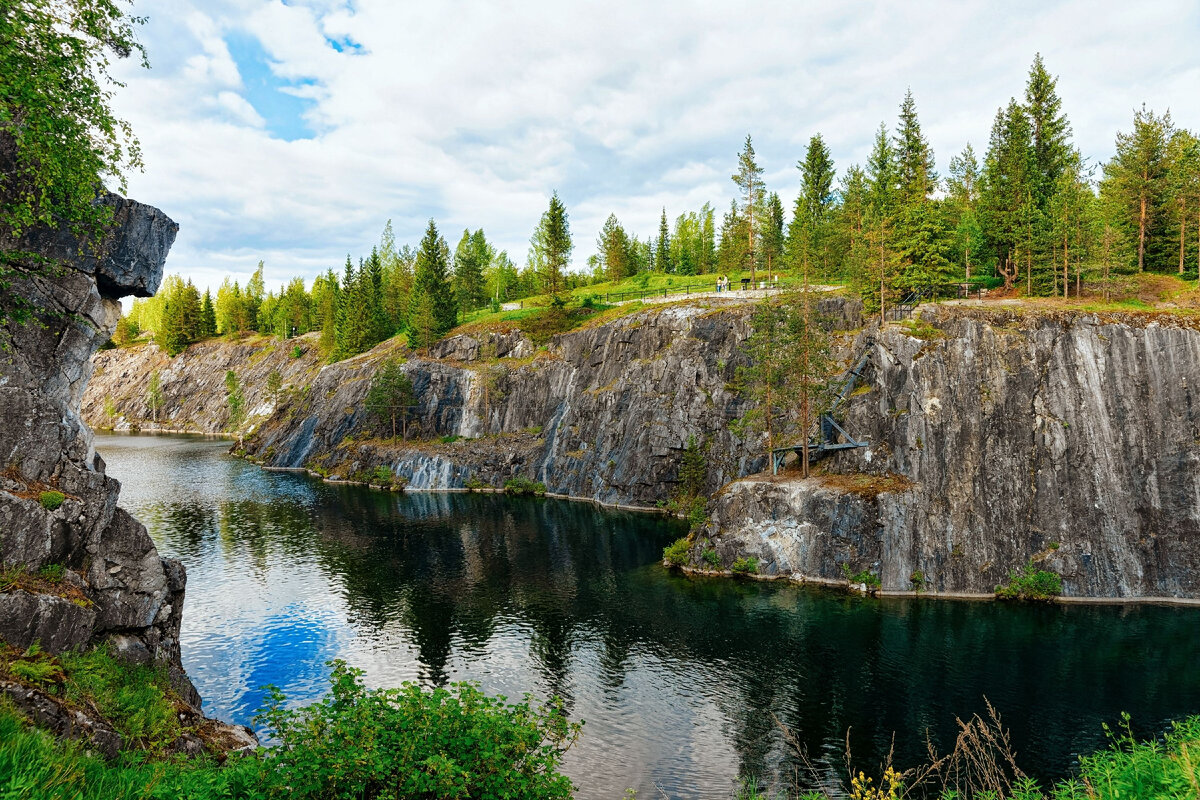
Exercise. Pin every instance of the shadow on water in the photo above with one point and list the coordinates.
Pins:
(681, 681)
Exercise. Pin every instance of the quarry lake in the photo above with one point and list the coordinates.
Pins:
(681, 681)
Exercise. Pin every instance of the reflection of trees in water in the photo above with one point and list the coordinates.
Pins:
(448, 569)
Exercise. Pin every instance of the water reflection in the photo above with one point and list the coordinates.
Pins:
(680, 680)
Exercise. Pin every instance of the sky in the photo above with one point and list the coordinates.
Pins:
(291, 132)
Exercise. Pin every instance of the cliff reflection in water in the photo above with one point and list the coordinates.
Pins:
(679, 680)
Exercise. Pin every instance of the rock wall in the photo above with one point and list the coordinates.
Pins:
(1069, 439)
(115, 588)
(193, 383)
(601, 413)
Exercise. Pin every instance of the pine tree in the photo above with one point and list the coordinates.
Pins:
(878, 283)
(391, 396)
(470, 257)
(962, 186)
(749, 179)
(1184, 182)
(613, 248)
(1136, 176)
(550, 247)
(693, 471)
(772, 234)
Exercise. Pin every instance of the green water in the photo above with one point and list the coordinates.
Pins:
(680, 681)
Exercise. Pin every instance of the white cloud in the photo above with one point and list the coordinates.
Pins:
(473, 112)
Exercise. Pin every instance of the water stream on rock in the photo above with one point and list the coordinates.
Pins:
(680, 681)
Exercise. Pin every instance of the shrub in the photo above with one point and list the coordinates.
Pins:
(407, 742)
(918, 581)
(865, 577)
(450, 438)
(475, 483)
(675, 554)
(1030, 583)
(297, 351)
(521, 485)
(52, 500)
(746, 565)
(711, 558)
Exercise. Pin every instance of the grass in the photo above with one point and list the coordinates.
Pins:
(47, 580)
(138, 701)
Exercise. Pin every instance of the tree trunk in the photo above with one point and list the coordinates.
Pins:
(1066, 268)
(1182, 238)
(1142, 234)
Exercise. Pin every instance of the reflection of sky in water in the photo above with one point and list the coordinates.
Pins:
(678, 680)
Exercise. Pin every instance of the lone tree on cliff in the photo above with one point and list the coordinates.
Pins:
(391, 396)
(550, 248)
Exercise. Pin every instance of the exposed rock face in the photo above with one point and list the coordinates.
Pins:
(1071, 440)
(126, 594)
(601, 413)
(193, 383)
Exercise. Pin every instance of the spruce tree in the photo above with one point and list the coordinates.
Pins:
(1050, 131)
(662, 250)
(807, 233)
(470, 257)
(208, 316)
(432, 286)
(915, 174)
(1007, 186)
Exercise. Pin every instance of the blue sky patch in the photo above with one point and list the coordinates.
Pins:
(283, 112)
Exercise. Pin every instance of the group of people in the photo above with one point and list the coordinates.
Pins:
(723, 283)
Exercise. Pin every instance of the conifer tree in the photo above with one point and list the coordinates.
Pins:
(1135, 177)
(208, 317)
(749, 179)
(915, 174)
(1006, 190)
(772, 235)
(470, 257)
(662, 249)
(808, 232)
(437, 303)
(962, 186)
(1050, 132)
(550, 247)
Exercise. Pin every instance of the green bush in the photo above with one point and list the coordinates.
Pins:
(521, 485)
(297, 351)
(52, 573)
(865, 577)
(1030, 583)
(711, 558)
(676, 552)
(450, 438)
(410, 743)
(918, 581)
(474, 484)
(52, 500)
(746, 565)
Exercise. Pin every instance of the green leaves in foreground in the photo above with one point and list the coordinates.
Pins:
(454, 742)
(380, 744)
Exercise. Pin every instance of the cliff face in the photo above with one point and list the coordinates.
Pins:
(1070, 439)
(115, 588)
(996, 437)
(601, 413)
(193, 383)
